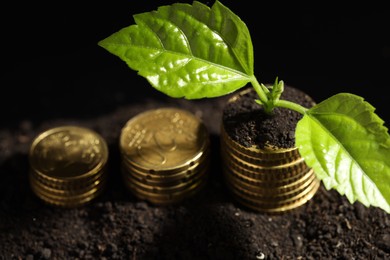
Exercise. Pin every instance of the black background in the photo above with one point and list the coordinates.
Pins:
(54, 67)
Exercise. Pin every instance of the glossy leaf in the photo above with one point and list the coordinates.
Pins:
(184, 50)
(348, 147)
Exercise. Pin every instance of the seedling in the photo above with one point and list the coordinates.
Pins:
(196, 51)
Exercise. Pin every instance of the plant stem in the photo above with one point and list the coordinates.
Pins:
(291, 105)
(270, 104)
(260, 92)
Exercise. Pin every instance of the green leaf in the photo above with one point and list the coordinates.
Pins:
(184, 50)
(277, 90)
(348, 147)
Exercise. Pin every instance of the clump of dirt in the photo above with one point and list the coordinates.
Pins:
(246, 122)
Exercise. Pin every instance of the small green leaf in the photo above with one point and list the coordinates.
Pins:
(348, 147)
(184, 50)
(277, 90)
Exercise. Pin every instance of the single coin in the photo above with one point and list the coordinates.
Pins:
(172, 173)
(67, 153)
(165, 139)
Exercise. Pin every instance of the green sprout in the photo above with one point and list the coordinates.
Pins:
(196, 51)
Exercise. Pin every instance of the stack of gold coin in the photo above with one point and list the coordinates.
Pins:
(165, 155)
(67, 165)
(266, 180)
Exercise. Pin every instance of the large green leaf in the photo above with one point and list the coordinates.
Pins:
(348, 147)
(184, 50)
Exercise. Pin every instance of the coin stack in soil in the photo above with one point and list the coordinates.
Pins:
(68, 165)
(267, 180)
(165, 155)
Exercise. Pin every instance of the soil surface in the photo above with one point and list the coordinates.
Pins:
(209, 225)
(247, 123)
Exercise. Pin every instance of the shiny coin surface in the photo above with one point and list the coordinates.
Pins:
(277, 201)
(165, 155)
(68, 165)
(277, 208)
(173, 172)
(165, 189)
(70, 184)
(66, 201)
(166, 139)
(66, 191)
(165, 180)
(166, 198)
(264, 188)
(277, 171)
(68, 153)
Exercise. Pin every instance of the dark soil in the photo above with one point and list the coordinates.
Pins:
(247, 123)
(209, 225)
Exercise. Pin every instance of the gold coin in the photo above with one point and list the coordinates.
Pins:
(269, 187)
(276, 197)
(68, 153)
(261, 171)
(258, 160)
(165, 139)
(165, 176)
(256, 178)
(66, 191)
(165, 199)
(74, 198)
(172, 173)
(66, 201)
(163, 180)
(67, 165)
(71, 184)
(279, 171)
(261, 207)
(164, 189)
(171, 200)
(277, 200)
